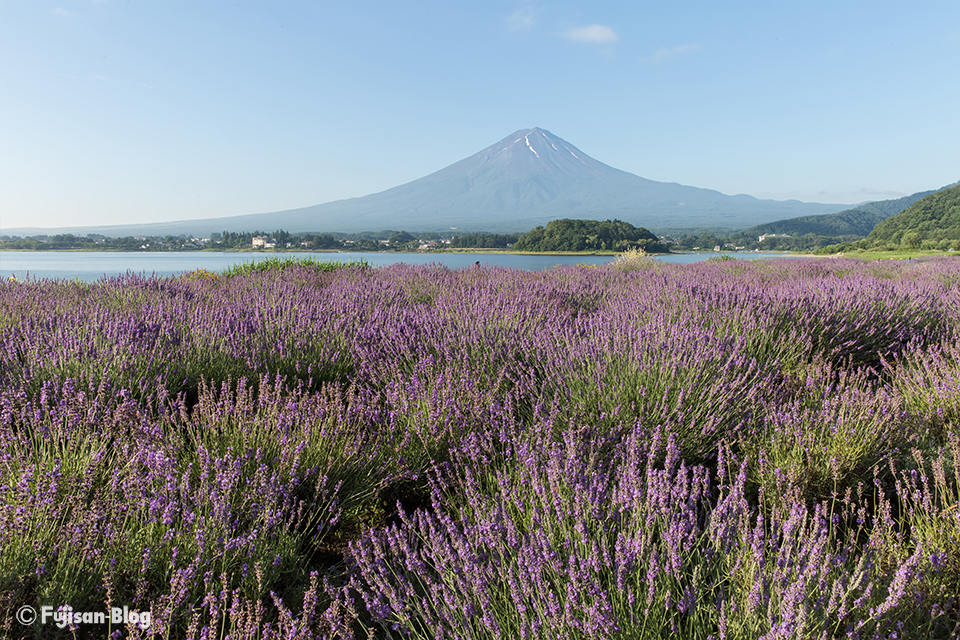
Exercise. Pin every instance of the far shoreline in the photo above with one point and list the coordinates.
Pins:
(737, 255)
(477, 251)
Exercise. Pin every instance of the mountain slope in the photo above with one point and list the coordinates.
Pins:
(525, 180)
(935, 218)
(858, 221)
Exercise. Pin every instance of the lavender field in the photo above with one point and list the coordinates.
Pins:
(727, 449)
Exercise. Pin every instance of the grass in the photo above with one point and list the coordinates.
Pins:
(279, 264)
(892, 253)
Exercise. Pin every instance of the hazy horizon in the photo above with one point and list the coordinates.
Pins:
(148, 112)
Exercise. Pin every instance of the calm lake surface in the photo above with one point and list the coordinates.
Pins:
(90, 266)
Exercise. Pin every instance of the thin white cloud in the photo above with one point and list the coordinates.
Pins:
(63, 13)
(664, 54)
(591, 34)
(522, 19)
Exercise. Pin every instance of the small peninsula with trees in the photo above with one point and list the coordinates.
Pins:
(589, 235)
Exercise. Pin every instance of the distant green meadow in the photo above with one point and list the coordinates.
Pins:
(300, 449)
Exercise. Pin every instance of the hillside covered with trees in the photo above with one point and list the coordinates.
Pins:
(857, 221)
(933, 222)
(852, 222)
(589, 235)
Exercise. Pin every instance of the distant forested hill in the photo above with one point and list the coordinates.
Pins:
(589, 235)
(858, 221)
(932, 222)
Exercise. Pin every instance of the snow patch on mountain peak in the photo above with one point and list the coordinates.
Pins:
(527, 138)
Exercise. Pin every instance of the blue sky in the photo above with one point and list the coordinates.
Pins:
(115, 112)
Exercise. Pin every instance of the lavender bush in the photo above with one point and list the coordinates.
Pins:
(720, 450)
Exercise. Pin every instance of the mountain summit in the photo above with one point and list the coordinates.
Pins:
(529, 152)
(525, 180)
(530, 174)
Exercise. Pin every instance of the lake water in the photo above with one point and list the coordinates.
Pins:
(90, 266)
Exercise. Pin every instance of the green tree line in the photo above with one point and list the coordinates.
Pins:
(484, 241)
(589, 235)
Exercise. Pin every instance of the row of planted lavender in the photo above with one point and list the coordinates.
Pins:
(728, 449)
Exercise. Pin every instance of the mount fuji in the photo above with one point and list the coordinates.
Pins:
(525, 180)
